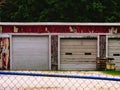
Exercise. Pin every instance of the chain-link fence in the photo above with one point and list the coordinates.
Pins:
(58, 80)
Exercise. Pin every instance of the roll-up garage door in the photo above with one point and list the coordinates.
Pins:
(114, 51)
(30, 53)
(78, 54)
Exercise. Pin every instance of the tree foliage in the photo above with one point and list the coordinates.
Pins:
(60, 11)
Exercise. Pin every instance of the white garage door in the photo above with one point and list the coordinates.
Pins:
(114, 51)
(30, 53)
(78, 54)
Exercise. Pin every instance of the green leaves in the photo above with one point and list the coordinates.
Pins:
(61, 11)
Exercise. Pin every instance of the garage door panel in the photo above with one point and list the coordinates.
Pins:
(78, 56)
(70, 61)
(76, 47)
(29, 50)
(30, 53)
(89, 42)
(78, 52)
(80, 62)
(114, 43)
(71, 43)
(111, 46)
(77, 59)
(33, 56)
(112, 50)
(77, 67)
(76, 42)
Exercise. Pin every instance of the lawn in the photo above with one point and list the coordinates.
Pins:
(115, 73)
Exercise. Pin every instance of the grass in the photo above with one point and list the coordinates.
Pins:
(112, 72)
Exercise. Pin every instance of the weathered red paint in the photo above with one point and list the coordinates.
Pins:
(58, 29)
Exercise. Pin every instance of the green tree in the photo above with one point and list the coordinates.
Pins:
(60, 11)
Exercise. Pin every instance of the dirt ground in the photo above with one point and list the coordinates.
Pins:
(14, 82)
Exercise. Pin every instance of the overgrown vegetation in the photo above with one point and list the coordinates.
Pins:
(112, 72)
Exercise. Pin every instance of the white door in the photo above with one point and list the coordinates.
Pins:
(78, 54)
(114, 51)
(30, 53)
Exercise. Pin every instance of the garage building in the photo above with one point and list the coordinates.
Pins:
(58, 46)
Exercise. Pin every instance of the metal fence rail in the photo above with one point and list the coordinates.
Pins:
(27, 80)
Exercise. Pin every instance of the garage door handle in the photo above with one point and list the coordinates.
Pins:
(88, 53)
(68, 53)
(116, 54)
